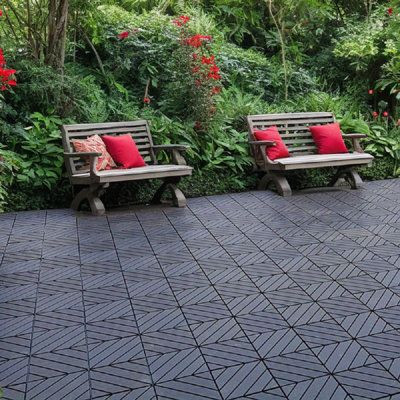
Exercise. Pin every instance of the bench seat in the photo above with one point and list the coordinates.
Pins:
(82, 171)
(133, 174)
(294, 131)
(322, 160)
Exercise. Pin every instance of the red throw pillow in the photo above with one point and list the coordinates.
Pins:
(328, 138)
(279, 150)
(95, 144)
(124, 151)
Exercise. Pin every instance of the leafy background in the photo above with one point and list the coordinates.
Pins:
(274, 56)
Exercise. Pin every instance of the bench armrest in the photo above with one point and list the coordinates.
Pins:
(93, 157)
(267, 143)
(175, 150)
(354, 135)
(355, 139)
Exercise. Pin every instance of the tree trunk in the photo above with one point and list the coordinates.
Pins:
(57, 33)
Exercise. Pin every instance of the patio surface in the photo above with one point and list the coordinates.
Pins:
(243, 296)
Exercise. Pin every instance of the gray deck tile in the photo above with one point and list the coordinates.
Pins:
(241, 296)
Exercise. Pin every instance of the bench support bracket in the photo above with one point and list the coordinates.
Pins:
(350, 175)
(279, 180)
(92, 195)
(178, 198)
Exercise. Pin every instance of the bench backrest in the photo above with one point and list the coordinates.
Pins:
(139, 130)
(293, 128)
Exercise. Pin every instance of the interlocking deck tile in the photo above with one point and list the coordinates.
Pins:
(243, 296)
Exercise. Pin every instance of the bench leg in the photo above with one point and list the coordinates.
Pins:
(354, 179)
(178, 198)
(280, 182)
(350, 175)
(92, 195)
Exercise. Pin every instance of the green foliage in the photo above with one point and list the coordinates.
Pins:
(9, 162)
(335, 52)
(385, 142)
(350, 124)
(41, 154)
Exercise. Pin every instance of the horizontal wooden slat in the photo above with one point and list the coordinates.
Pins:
(289, 141)
(293, 149)
(304, 122)
(280, 116)
(82, 127)
(142, 132)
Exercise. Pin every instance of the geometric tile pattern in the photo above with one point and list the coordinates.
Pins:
(242, 296)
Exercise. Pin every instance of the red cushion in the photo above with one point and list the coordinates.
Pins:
(328, 138)
(279, 150)
(124, 151)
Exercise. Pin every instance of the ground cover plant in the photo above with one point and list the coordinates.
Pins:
(195, 70)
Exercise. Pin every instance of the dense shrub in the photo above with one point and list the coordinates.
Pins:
(130, 61)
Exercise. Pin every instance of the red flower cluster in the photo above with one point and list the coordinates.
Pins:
(390, 11)
(6, 75)
(208, 60)
(197, 40)
(182, 20)
(371, 91)
(385, 114)
(214, 73)
(146, 100)
(123, 35)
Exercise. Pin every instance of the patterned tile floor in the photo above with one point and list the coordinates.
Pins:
(243, 296)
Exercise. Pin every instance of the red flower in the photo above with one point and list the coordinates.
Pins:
(194, 55)
(197, 82)
(375, 114)
(214, 76)
(390, 11)
(146, 100)
(197, 40)
(12, 83)
(1, 13)
(6, 73)
(123, 35)
(2, 59)
(214, 72)
(208, 60)
(216, 90)
(371, 91)
(182, 20)
(385, 114)
(214, 69)
(197, 125)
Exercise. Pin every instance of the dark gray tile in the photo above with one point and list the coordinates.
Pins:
(242, 296)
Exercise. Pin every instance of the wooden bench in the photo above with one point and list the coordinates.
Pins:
(293, 129)
(97, 182)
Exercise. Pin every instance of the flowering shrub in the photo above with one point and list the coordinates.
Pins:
(6, 75)
(7, 158)
(198, 73)
(7, 79)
